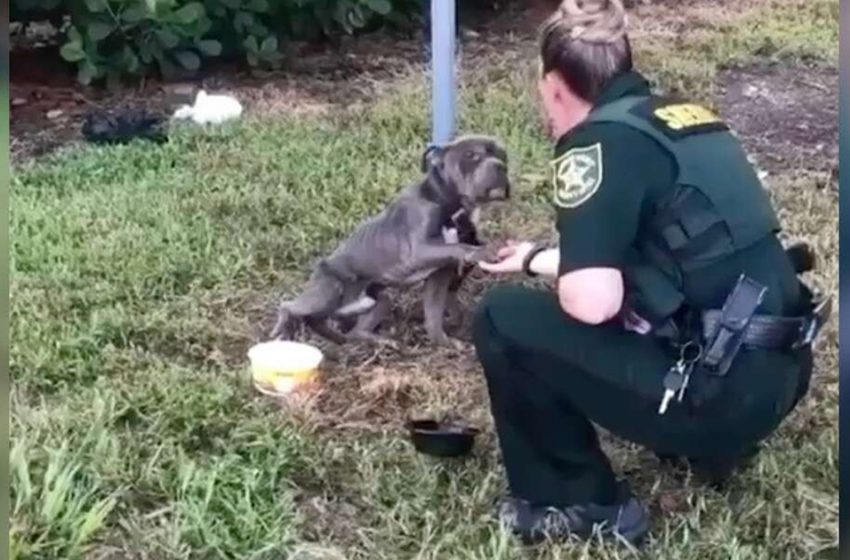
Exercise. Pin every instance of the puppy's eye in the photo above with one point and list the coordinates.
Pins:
(472, 156)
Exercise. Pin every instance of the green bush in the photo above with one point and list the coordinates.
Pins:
(112, 39)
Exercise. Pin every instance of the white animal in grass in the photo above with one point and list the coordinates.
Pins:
(210, 109)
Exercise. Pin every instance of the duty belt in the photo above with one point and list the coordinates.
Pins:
(775, 332)
(726, 331)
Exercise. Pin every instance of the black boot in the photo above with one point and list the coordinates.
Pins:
(628, 519)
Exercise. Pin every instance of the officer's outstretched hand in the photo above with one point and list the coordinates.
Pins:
(510, 258)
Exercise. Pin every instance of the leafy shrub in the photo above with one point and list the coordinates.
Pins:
(111, 39)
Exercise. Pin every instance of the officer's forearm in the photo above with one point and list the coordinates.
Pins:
(545, 263)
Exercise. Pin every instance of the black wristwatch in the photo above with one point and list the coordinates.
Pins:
(526, 262)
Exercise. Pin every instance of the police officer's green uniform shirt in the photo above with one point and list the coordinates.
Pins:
(606, 177)
(609, 169)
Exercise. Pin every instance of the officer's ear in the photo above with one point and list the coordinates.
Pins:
(433, 157)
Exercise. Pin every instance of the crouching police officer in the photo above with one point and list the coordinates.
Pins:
(679, 321)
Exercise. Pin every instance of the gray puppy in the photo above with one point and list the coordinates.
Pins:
(426, 233)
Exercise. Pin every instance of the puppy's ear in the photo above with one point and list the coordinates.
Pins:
(433, 157)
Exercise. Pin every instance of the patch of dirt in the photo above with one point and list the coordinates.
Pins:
(787, 117)
(372, 389)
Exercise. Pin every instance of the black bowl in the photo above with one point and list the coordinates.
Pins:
(441, 439)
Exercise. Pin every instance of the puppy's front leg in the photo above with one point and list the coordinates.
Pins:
(454, 309)
(434, 303)
(432, 256)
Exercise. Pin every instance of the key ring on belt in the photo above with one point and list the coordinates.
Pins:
(690, 353)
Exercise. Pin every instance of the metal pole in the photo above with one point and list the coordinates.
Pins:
(442, 70)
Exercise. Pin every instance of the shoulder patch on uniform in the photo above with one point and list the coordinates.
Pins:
(577, 175)
(679, 118)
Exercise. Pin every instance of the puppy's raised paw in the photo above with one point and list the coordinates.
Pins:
(483, 254)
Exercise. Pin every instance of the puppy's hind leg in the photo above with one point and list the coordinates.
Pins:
(320, 326)
(454, 309)
(313, 306)
(368, 322)
(361, 331)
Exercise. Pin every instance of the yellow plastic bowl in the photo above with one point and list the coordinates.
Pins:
(281, 366)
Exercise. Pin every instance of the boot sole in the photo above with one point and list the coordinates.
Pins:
(635, 535)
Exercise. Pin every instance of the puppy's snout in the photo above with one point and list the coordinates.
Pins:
(492, 183)
(502, 192)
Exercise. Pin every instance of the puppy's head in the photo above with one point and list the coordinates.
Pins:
(475, 166)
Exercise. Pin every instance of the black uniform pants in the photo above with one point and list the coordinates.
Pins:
(550, 378)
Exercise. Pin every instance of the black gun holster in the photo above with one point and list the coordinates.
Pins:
(722, 344)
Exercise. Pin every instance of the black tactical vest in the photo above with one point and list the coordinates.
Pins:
(716, 208)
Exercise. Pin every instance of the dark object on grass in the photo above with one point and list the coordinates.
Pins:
(802, 257)
(122, 126)
(441, 439)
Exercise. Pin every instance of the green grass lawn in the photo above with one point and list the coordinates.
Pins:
(141, 275)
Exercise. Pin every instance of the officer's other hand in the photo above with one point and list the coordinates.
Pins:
(509, 258)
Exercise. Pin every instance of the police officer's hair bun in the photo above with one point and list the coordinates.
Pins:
(585, 41)
(593, 21)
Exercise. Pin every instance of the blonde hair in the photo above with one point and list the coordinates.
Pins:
(585, 41)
